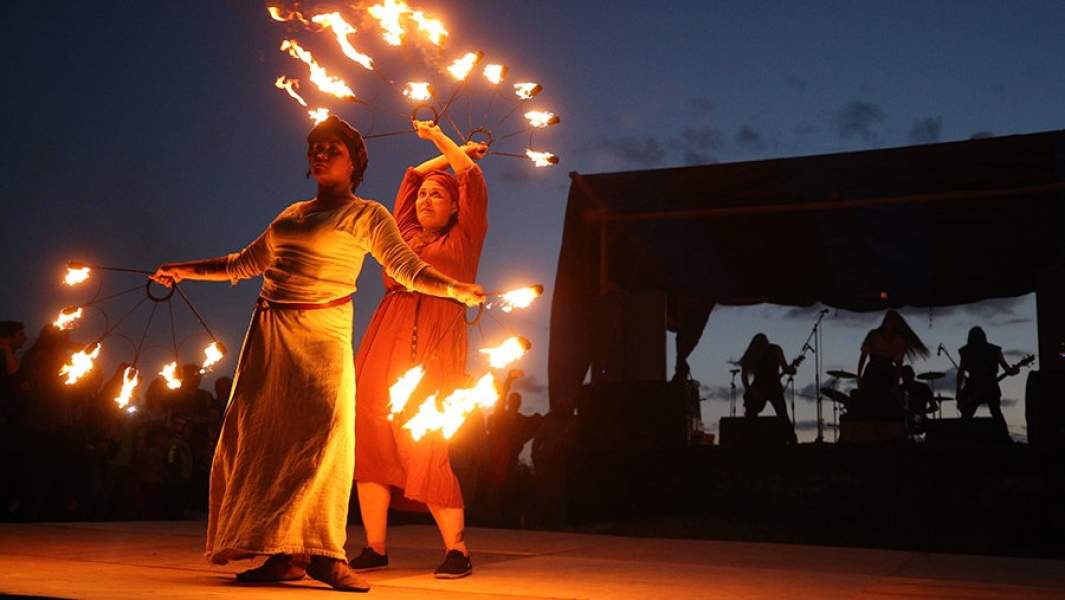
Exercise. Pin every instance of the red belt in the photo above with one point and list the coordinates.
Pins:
(264, 304)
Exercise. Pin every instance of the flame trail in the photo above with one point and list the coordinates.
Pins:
(387, 14)
(290, 86)
(433, 28)
(541, 119)
(75, 276)
(509, 351)
(342, 29)
(318, 115)
(211, 355)
(461, 67)
(277, 15)
(542, 159)
(456, 407)
(495, 73)
(129, 382)
(418, 90)
(519, 298)
(400, 391)
(67, 317)
(169, 373)
(525, 91)
(81, 362)
(319, 76)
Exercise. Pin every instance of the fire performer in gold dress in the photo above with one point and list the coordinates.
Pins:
(282, 472)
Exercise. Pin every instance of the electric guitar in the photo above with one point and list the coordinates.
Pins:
(966, 399)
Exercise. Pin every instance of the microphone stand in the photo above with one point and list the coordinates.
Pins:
(732, 393)
(815, 337)
(943, 350)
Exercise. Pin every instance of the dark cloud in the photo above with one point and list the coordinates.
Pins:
(700, 107)
(996, 311)
(811, 425)
(639, 151)
(750, 138)
(981, 135)
(717, 392)
(1014, 354)
(697, 145)
(926, 131)
(859, 120)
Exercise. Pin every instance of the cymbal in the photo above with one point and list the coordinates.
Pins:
(841, 374)
(835, 395)
(931, 375)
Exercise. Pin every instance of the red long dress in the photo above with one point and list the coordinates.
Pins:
(384, 452)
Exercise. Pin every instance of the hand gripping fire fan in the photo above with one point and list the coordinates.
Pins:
(83, 361)
(420, 40)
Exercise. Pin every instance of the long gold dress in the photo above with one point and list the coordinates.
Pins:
(282, 471)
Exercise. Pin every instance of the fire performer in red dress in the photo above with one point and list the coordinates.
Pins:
(444, 219)
(282, 471)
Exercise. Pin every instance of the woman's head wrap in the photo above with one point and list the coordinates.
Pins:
(334, 125)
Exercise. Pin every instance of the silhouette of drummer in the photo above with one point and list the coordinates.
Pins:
(880, 365)
(919, 401)
(766, 363)
(977, 381)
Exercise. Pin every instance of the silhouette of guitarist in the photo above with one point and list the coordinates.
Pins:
(978, 378)
(766, 363)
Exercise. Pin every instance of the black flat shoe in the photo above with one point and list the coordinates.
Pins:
(455, 565)
(369, 560)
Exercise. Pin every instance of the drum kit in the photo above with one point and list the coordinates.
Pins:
(851, 400)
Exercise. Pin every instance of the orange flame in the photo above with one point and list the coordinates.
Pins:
(460, 69)
(541, 118)
(433, 28)
(342, 29)
(456, 407)
(211, 355)
(129, 382)
(400, 391)
(76, 275)
(387, 14)
(81, 362)
(318, 115)
(277, 15)
(319, 76)
(290, 86)
(495, 73)
(519, 298)
(526, 91)
(67, 317)
(169, 373)
(542, 159)
(510, 350)
(418, 90)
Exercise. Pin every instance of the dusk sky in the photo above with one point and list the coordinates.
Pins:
(138, 133)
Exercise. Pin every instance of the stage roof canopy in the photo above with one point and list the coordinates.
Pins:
(934, 225)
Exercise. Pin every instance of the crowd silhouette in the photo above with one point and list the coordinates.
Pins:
(71, 453)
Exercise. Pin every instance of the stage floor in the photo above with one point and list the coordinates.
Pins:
(164, 560)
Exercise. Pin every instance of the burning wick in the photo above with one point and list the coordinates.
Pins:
(290, 86)
(81, 362)
(510, 350)
(461, 68)
(495, 73)
(67, 317)
(418, 91)
(433, 28)
(401, 390)
(542, 159)
(519, 298)
(76, 275)
(129, 382)
(169, 373)
(212, 354)
(541, 119)
(525, 91)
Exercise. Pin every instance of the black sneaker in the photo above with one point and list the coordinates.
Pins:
(369, 561)
(455, 565)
